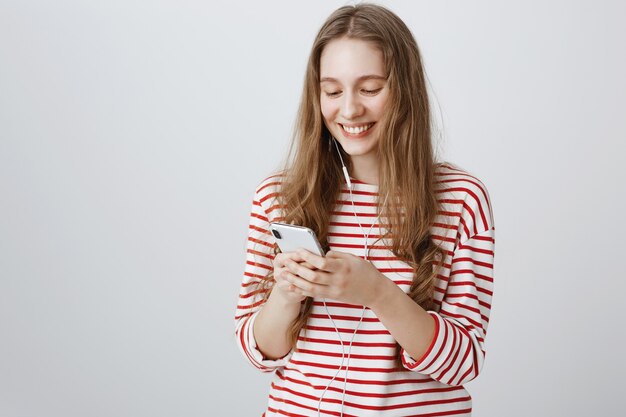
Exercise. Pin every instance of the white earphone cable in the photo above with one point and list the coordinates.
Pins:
(366, 255)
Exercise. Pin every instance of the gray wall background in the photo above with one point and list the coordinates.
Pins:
(133, 134)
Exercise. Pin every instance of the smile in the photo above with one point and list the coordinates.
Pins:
(355, 130)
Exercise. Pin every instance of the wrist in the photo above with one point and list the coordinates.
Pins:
(383, 292)
(279, 299)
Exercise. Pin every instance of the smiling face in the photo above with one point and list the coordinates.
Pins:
(353, 95)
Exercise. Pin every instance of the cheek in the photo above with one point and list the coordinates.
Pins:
(379, 106)
(328, 108)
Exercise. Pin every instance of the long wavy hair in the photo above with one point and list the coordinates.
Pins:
(312, 177)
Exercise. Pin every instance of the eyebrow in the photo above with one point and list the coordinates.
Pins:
(361, 78)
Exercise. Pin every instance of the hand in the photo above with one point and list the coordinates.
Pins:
(339, 276)
(283, 287)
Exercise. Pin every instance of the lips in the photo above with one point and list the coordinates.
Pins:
(356, 129)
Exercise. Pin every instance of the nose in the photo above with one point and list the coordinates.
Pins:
(351, 107)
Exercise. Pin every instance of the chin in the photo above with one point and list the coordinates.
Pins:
(358, 149)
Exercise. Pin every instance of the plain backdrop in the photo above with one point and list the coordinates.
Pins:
(132, 137)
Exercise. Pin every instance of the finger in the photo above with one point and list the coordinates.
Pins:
(286, 286)
(317, 261)
(300, 287)
(308, 265)
(280, 258)
(303, 263)
(313, 276)
(300, 291)
(294, 256)
(287, 280)
(278, 276)
(284, 275)
(336, 254)
(302, 284)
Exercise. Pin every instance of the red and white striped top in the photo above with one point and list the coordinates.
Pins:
(431, 385)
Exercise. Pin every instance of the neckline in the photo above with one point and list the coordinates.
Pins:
(361, 187)
(366, 184)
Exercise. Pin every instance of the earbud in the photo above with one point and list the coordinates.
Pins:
(343, 166)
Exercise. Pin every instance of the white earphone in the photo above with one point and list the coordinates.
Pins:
(343, 167)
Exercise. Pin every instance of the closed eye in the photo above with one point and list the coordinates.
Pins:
(372, 91)
(368, 92)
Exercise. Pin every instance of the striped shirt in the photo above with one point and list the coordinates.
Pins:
(428, 386)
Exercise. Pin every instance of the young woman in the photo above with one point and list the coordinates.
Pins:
(392, 320)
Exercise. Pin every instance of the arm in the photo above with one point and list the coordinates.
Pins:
(272, 324)
(448, 345)
(411, 325)
(274, 315)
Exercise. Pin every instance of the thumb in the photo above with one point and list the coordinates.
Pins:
(334, 254)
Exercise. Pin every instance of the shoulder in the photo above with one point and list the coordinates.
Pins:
(267, 191)
(468, 193)
(269, 185)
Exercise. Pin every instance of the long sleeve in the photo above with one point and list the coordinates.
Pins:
(457, 352)
(465, 286)
(259, 256)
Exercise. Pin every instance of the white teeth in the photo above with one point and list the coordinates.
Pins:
(357, 130)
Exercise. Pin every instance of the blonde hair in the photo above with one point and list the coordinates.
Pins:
(312, 177)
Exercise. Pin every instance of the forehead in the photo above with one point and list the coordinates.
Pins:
(348, 59)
